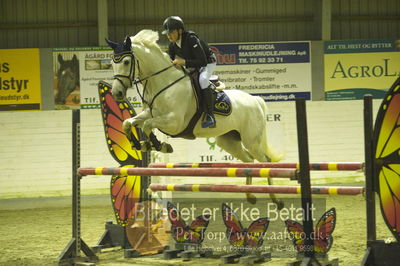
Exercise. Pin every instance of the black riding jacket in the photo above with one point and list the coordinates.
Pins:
(195, 51)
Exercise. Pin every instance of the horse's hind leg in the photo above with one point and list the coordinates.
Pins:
(255, 145)
(231, 143)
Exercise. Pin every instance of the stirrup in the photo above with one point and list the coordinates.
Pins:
(209, 121)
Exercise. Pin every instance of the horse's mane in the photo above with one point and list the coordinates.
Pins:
(148, 38)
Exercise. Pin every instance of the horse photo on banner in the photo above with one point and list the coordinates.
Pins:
(66, 80)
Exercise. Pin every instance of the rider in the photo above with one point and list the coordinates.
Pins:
(187, 49)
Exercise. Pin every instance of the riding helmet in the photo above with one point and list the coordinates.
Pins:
(173, 23)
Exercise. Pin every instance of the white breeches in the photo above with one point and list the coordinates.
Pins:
(205, 74)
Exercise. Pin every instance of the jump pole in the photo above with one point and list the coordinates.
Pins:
(369, 186)
(306, 200)
(71, 254)
(204, 172)
(328, 166)
(321, 190)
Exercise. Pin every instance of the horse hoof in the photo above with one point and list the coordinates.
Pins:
(166, 148)
(135, 145)
(146, 146)
(251, 198)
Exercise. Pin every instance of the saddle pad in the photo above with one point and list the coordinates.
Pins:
(222, 104)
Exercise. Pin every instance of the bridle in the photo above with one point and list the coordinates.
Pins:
(117, 58)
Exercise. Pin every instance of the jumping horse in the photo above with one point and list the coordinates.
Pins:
(169, 103)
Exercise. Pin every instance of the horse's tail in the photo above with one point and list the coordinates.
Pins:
(273, 155)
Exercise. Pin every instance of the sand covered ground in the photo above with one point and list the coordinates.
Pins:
(35, 231)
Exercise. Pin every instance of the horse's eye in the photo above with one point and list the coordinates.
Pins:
(126, 62)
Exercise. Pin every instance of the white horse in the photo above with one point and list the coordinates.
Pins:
(169, 102)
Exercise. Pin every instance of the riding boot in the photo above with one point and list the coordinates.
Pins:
(208, 106)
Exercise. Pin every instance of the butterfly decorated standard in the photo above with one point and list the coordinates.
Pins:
(125, 194)
(322, 234)
(126, 191)
(387, 158)
(114, 113)
(183, 233)
(240, 237)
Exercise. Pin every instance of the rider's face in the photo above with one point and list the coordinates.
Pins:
(173, 36)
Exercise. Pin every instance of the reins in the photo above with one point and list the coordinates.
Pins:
(165, 88)
(152, 75)
(140, 80)
(119, 57)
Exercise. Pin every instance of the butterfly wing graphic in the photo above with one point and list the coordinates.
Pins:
(322, 235)
(323, 231)
(125, 194)
(234, 229)
(256, 232)
(387, 158)
(296, 232)
(114, 113)
(197, 229)
(179, 229)
(126, 191)
(240, 237)
(183, 233)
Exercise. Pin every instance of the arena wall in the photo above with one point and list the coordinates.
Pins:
(36, 150)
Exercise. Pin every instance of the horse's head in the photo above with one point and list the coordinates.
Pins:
(124, 67)
(67, 76)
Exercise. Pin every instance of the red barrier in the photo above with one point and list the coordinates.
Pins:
(215, 172)
(338, 166)
(256, 189)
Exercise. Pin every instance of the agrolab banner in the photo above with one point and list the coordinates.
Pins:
(355, 68)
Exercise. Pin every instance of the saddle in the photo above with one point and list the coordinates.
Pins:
(222, 103)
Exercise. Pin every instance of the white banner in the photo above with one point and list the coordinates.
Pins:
(94, 66)
(275, 71)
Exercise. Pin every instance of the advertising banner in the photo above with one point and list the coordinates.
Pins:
(20, 80)
(77, 72)
(274, 71)
(355, 68)
(278, 71)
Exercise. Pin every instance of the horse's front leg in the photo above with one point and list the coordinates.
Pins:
(144, 121)
(137, 122)
(162, 122)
